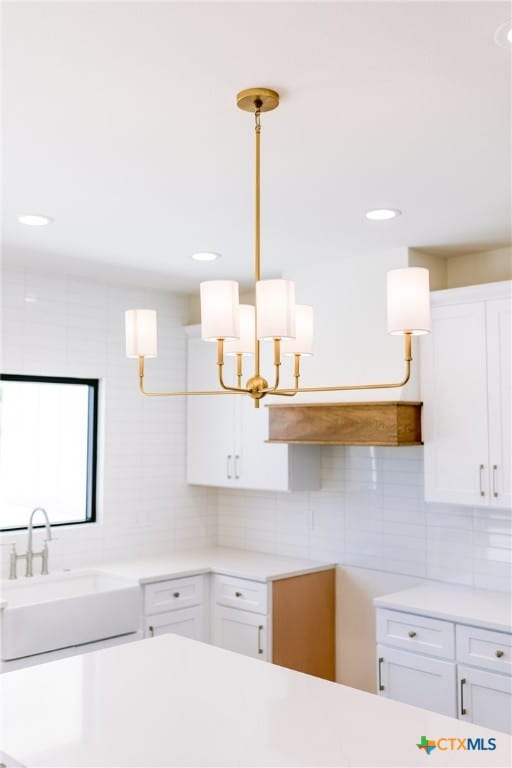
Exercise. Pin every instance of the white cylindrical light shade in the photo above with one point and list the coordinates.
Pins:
(219, 310)
(408, 301)
(275, 309)
(140, 331)
(302, 344)
(245, 344)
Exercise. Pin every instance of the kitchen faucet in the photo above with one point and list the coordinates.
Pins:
(29, 554)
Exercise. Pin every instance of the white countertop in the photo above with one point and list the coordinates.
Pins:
(477, 607)
(170, 701)
(243, 563)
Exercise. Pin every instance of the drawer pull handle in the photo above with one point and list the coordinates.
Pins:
(238, 594)
(151, 631)
(499, 654)
(175, 594)
(412, 633)
(463, 709)
(260, 630)
(381, 687)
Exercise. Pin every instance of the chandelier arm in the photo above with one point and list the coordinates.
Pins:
(239, 369)
(296, 370)
(220, 366)
(227, 389)
(349, 387)
(172, 394)
(277, 365)
(353, 387)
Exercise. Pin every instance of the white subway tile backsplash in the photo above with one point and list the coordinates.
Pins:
(371, 513)
(76, 328)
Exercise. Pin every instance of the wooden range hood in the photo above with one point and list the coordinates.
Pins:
(393, 423)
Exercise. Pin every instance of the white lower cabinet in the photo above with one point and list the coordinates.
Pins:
(471, 681)
(178, 606)
(289, 621)
(240, 616)
(240, 631)
(485, 698)
(417, 680)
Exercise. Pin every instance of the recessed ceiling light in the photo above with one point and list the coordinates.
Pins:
(205, 256)
(503, 35)
(30, 299)
(382, 214)
(34, 219)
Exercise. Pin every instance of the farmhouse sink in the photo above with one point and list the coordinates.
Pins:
(45, 613)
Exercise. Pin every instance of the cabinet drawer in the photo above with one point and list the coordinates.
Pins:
(173, 594)
(416, 633)
(484, 648)
(240, 593)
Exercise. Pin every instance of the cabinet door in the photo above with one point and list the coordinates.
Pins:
(499, 345)
(485, 698)
(240, 631)
(417, 680)
(187, 622)
(454, 393)
(210, 421)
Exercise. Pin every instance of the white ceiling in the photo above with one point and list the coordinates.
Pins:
(120, 122)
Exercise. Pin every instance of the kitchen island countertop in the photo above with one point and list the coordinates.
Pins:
(170, 701)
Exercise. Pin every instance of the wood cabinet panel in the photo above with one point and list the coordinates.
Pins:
(303, 623)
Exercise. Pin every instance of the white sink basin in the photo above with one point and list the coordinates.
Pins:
(44, 613)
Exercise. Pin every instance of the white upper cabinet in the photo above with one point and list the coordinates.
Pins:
(226, 434)
(465, 388)
(499, 345)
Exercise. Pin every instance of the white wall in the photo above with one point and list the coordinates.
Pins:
(487, 267)
(457, 270)
(76, 328)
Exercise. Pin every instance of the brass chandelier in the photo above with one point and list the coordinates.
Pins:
(239, 329)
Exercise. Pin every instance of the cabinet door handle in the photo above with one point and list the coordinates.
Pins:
(175, 594)
(228, 466)
(412, 633)
(499, 654)
(480, 470)
(260, 630)
(463, 709)
(381, 687)
(238, 594)
(237, 476)
(494, 491)
(151, 631)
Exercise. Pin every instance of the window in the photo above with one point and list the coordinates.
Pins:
(48, 435)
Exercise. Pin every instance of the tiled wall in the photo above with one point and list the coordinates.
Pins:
(371, 513)
(76, 328)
